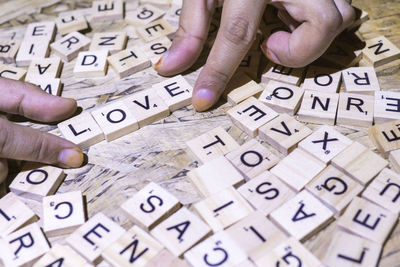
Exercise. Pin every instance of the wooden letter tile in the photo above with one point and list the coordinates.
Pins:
(91, 64)
(176, 92)
(387, 106)
(47, 68)
(162, 4)
(106, 10)
(110, 41)
(31, 50)
(68, 47)
(379, 51)
(10, 72)
(71, 23)
(355, 109)
(64, 255)
(322, 79)
(360, 80)
(155, 49)
(394, 158)
(386, 136)
(167, 259)
(8, 50)
(50, 86)
(318, 107)
(242, 87)
(155, 30)
(144, 15)
(43, 30)
(128, 62)
(282, 74)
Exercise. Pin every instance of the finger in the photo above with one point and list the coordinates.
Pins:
(347, 12)
(3, 170)
(24, 143)
(31, 102)
(288, 20)
(188, 41)
(236, 34)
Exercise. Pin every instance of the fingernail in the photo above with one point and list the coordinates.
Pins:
(203, 99)
(71, 157)
(268, 53)
(159, 62)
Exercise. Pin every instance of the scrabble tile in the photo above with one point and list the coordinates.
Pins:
(154, 30)
(163, 4)
(31, 50)
(348, 250)
(144, 15)
(384, 190)
(110, 41)
(282, 74)
(150, 206)
(115, 120)
(167, 259)
(244, 88)
(62, 255)
(250, 63)
(325, 143)
(318, 107)
(250, 115)
(133, 248)
(14, 214)
(379, 51)
(322, 79)
(106, 10)
(246, 263)
(176, 92)
(266, 192)
(36, 181)
(212, 144)
(355, 161)
(181, 231)
(355, 109)
(297, 169)
(367, 220)
(147, 107)
(153, 50)
(91, 64)
(252, 158)
(394, 158)
(217, 250)
(282, 97)
(50, 86)
(128, 62)
(284, 133)
(361, 17)
(334, 188)
(387, 106)
(71, 23)
(68, 47)
(63, 213)
(46, 68)
(223, 209)
(386, 136)
(362, 80)
(173, 14)
(81, 130)
(10, 72)
(215, 176)
(302, 216)
(8, 50)
(43, 30)
(92, 238)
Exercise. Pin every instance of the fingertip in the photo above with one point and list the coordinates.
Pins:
(71, 158)
(203, 99)
(268, 53)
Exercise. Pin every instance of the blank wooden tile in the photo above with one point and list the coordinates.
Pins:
(14, 214)
(284, 133)
(322, 79)
(212, 144)
(110, 41)
(355, 161)
(394, 158)
(215, 176)
(302, 216)
(71, 23)
(91, 64)
(282, 74)
(10, 72)
(50, 86)
(62, 255)
(81, 130)
(243, 88)
(318, 107)
(379, 51)
(297, 169)
(68, 47)
(92, 238)
(46, 68)
(43, 30)
(134, 248)
(128, 62)
(181, 231)
(8, 50)
(150, 206)
(387, 106)
(386, 136)
(167, 259)
(154, 50)
(106, 10)
(154, 30)
(362, 80)
(252, 158)
(63, 213)
(355, 109)
(176, 92)
(31, 50)
(36, 181)
(144, 14)
(163, 4)
(367, 220)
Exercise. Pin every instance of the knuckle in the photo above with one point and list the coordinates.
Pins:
(238, 31)
(349, 15)
(4, 135)
(214, 79)
(41, 148)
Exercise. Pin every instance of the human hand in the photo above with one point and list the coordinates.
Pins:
(314, 25)
(25, 143)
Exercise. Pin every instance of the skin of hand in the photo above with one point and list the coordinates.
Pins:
(25, 143)
(314, 25)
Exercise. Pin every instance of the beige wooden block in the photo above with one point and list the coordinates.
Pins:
(154, 50)
(217, 250)
(367, 220)
(50, 86)
(334, 188)
(46, 68)
(325, 143)
(215, 176)
(81, 130)
(322, 79)
(31, 50)
(62, 255)
(91, 64)
(167, 259)
(147, 107)
(361, 17)
(355, 161)
(143, 15)
(243, 88)
(134, 248)
(115, 120)
(387, 106)
(176, 92)
(36, 181)
(284, 133)
(71, 23)
(282, 97)
(10, 72)
(110, 41)
(92, 238)
(246, 263)
(8, 50)
(68, 47)
(250, 63)
(362, 80)
(150, 206)
(173, 14)
(282, 74)
(379, 51)
(250, 115)
(106, 10)
(355, 109)
(155, 30)
(298, 169)
(252, 158)
(14, 214)
(318, 107)
(181, 231)
(386, 136)
(212, 144)
(266, 192)
(302, 216)
(394, 158)
(163, 4)
(63, 213)
(43, 30)
(128, 62)
(348, 250)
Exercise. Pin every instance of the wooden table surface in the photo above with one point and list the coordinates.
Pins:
(157, 152)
